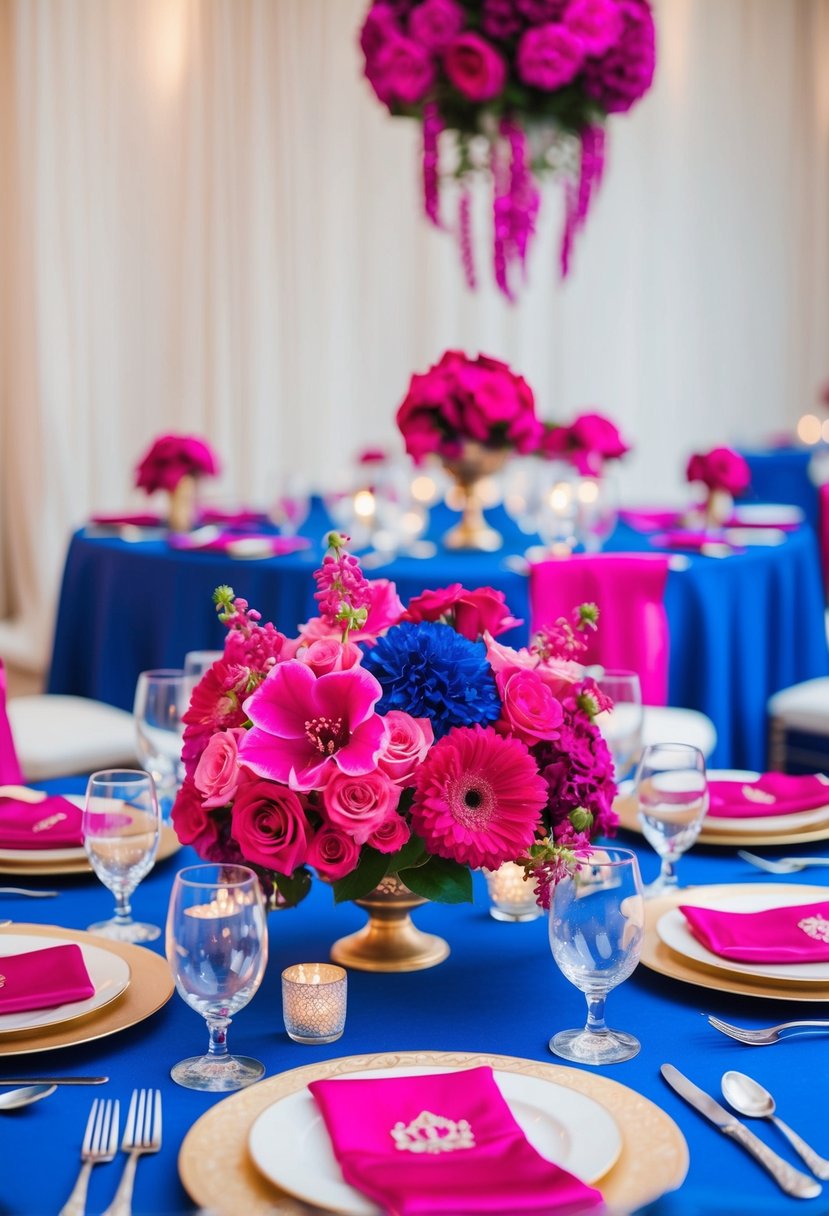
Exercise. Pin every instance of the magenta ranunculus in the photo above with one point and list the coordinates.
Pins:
(217, 772)
(332, 853)
(474, 67)
(472, 613)
(598, 23)
(391, 835)
(269, 825)
(549, 56)
(358, 805)
(625, 72)
(407, 743)
(306, 727)
(172, 457)
(328, 654)
(720, 469)
(530, 711)
(434, 23)
(401, 72)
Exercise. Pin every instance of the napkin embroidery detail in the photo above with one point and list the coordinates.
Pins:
(816, 927)
(2, 981)
(755, 795)
(430, 1133)
(50, 821)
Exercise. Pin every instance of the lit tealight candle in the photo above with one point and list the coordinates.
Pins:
(512, 896)
(314, 1002)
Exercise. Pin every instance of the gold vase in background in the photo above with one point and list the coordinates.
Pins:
(474, 464)
(183, 506)
(390, 941)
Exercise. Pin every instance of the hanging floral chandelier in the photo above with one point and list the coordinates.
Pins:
(518, 89)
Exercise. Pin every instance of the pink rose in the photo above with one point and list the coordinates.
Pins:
(473, 613)
(408, 740)
(434, 23)
(598, 23)
(170, 458)
(720, 469)
(391, 835)
(332, 853)
(549, 56)
(379, 26)
(530, 711)
(217, 772)
(269, 825)
(586, 443)
(401, 72)
(195, 824)
(327, 654)
(358, 805)
(474, 67)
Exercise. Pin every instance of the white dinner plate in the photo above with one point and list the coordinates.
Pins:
(767, 514)
(75, 853)
(109, 973)
(672, 929)
(751, 824)
(290, 1145)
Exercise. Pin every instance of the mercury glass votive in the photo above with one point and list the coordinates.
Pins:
(512, 897)
(314, 1001)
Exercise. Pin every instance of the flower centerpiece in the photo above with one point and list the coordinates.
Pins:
(521, 89)
(470, 414)
(174, 463)
(725, 475)
(394, 745)
(587, 443)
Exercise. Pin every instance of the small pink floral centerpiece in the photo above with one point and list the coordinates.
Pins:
(526, 78)
(586, 443)
(171, 457)
(721, 469)
(390, 741)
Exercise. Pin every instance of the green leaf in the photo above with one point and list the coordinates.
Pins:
(372, 868)
(443, 881)
(293, 888)
(413, 853)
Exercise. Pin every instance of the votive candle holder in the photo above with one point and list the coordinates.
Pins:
(314, 1002)
(512, 897)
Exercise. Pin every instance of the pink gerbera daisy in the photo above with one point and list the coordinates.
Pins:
(478, 798)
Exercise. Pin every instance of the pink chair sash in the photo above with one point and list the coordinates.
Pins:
(10, 773)
(633, 625)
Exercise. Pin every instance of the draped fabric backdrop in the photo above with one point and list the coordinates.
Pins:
(207, 223)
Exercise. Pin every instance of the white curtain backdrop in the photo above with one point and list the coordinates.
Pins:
(208, 223)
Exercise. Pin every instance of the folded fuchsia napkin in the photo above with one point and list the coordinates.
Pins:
(691, 541)
(779, 935)
(771, 794)
(138, 519)
(242, 544)
(442, 1144)
(52, 823)
(649, 521)
(43, 978)
(242, 518)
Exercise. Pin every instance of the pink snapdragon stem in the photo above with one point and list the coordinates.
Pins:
(465, 237)
(432, 127)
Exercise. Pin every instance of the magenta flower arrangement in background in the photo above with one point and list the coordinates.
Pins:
(171, 457)
(721, 469)
(531, 80)
(586, 443)
(424, 751)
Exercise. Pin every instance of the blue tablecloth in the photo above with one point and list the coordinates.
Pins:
(742, 627)
(499, 991)
(782, 475)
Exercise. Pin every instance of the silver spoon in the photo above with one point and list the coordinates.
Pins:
(16, 1098)
(750, 1098)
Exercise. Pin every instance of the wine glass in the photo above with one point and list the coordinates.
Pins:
(597, 922)
(161, 699)
(121, 825)
(197, 662)
(672, 795)
(217, 948)
(622, 724)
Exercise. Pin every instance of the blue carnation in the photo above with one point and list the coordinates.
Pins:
(430, 671)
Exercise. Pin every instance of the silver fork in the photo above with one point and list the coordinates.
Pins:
(785, 865)
(769, 1034)
(142, 1134)
(100, 1143)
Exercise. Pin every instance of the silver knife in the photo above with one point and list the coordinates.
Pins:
(52, 1081)
(792, 1181)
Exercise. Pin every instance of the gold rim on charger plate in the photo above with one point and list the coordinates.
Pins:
(627, 810)
(216, 1169)
(168, 845)
(150, 987)
(656, 956)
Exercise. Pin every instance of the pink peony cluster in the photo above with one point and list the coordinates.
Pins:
(586, 443)
(172, 457)
(460, 399)
(720, 469)
(299, 757)
(497, 67)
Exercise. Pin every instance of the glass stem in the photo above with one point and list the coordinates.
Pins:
(595, 1012)
(667, 873)
(123, 909)
(217, 1029)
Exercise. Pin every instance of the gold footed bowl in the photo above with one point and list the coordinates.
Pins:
(390, 941)
(473, 532)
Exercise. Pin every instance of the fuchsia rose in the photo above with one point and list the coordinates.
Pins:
(407, 743)
(332, 853)
(598, 23)
(307, 727)
(192, 820)
(217, 772)
(624, 73)
(378, 28)
(549, 56)
(474, 67)
(401, 72)
(269, 825)
(720, 469)
(391, 835)
(327, 654)
(435, 23)
(358, 805)
(587, 443)
(557, 674)
(473, 613)
(530, 712)
(172, 457)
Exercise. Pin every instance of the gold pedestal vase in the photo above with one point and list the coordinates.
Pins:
(467, 471)
(390, 941)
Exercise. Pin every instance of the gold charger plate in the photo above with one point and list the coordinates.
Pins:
(217, 1172)
(627, 810)
(168, 845)
(656, 956)
(150, 987)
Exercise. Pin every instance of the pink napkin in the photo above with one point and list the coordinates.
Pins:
(43, 978)
(271, 544)
(649, 521)
(771, 794)
(138, 519)
(52, 823)
(10, 773)
(779, 935)
(379, 1128)
(693, 542)
(633, 627)
(234, 519)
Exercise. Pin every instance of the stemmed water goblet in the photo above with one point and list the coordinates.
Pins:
(217, 948)
(596, 923)
(622, 725)
(161, 699)
(121, 826)
(672, 799)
